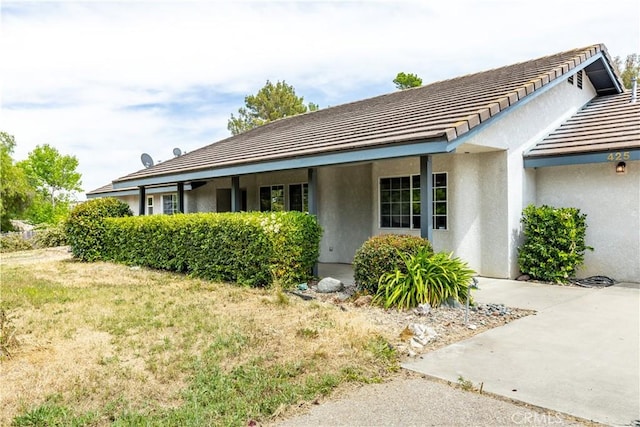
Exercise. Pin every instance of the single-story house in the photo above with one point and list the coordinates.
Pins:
(455, 161)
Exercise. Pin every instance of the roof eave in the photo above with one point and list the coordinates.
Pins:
(415, 148)
(582, 158)
(130, 190)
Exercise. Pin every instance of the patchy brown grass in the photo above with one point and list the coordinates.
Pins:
(98, 335)
(93, 343)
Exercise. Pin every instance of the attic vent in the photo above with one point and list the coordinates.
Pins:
(579, 79)
(570, 79)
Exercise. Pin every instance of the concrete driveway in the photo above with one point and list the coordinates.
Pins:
(580, 353)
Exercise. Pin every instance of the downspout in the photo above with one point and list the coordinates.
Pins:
(634, 87)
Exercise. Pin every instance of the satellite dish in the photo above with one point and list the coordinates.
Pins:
(147, 161)
(177, 152)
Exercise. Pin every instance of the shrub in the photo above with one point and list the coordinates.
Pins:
(427, 277)
(85, 226)
(12, 242)
(383, 254)
(51, 236)
(253, 249)
(554, 243)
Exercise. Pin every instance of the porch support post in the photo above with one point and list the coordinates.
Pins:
(426, 198)
(313, 191)
(312, 198)
(236, 203)
(181, 197)
(142, 202)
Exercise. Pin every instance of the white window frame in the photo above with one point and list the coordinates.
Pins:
(174, 202)
(445, 201)
(412, 201)
(150, 206)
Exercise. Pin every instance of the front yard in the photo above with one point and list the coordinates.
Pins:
(101, 343)
(97, 343)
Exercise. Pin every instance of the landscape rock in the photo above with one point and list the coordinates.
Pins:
(422, 309)
(524, 278)
(342, 296)
(415, 343)
(493, 309)
(422, 335)
(329, 285)
(451, 302)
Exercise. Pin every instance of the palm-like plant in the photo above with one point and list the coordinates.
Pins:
(429, 277)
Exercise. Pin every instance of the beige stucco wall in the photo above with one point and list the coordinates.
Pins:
(487, 184)
(344, 210)
(477, 203)
(506, 187)
(611, 202)
(132, 201)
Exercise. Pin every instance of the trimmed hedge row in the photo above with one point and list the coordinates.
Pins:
(85, 226)
(252, 248)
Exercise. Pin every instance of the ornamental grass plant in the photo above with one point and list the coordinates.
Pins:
(429, 278)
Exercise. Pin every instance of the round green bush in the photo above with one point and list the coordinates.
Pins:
(84, 226)
(381, 254)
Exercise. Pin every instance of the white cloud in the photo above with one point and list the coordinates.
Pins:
(107, 81)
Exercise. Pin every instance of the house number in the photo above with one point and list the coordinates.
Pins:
(612, 157)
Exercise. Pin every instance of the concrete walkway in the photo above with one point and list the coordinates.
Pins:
(580, 354)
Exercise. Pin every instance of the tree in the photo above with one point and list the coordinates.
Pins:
(405, 81)
(55, 179)
(272, 102)
(631, 68)
(15, 193)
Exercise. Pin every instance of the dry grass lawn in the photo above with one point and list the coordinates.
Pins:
(100, 343)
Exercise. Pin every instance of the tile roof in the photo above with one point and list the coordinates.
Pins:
(438, 111)
(608, 123)
(104, 189)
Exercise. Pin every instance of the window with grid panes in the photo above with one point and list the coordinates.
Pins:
(169, 204)
(150, 205)
(299, 197)
(440, 207)
(400, 202)
(272, 198)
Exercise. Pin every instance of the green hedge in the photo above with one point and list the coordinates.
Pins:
(85, 226)
(253, 249)
(383, 254)
(554, 243)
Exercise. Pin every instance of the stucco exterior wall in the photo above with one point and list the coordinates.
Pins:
(132, 201)
(506, 186)
(611, 202)
(465, 196)
(344, 210)
(203, 199)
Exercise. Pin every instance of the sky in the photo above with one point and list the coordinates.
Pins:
(106, 81)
